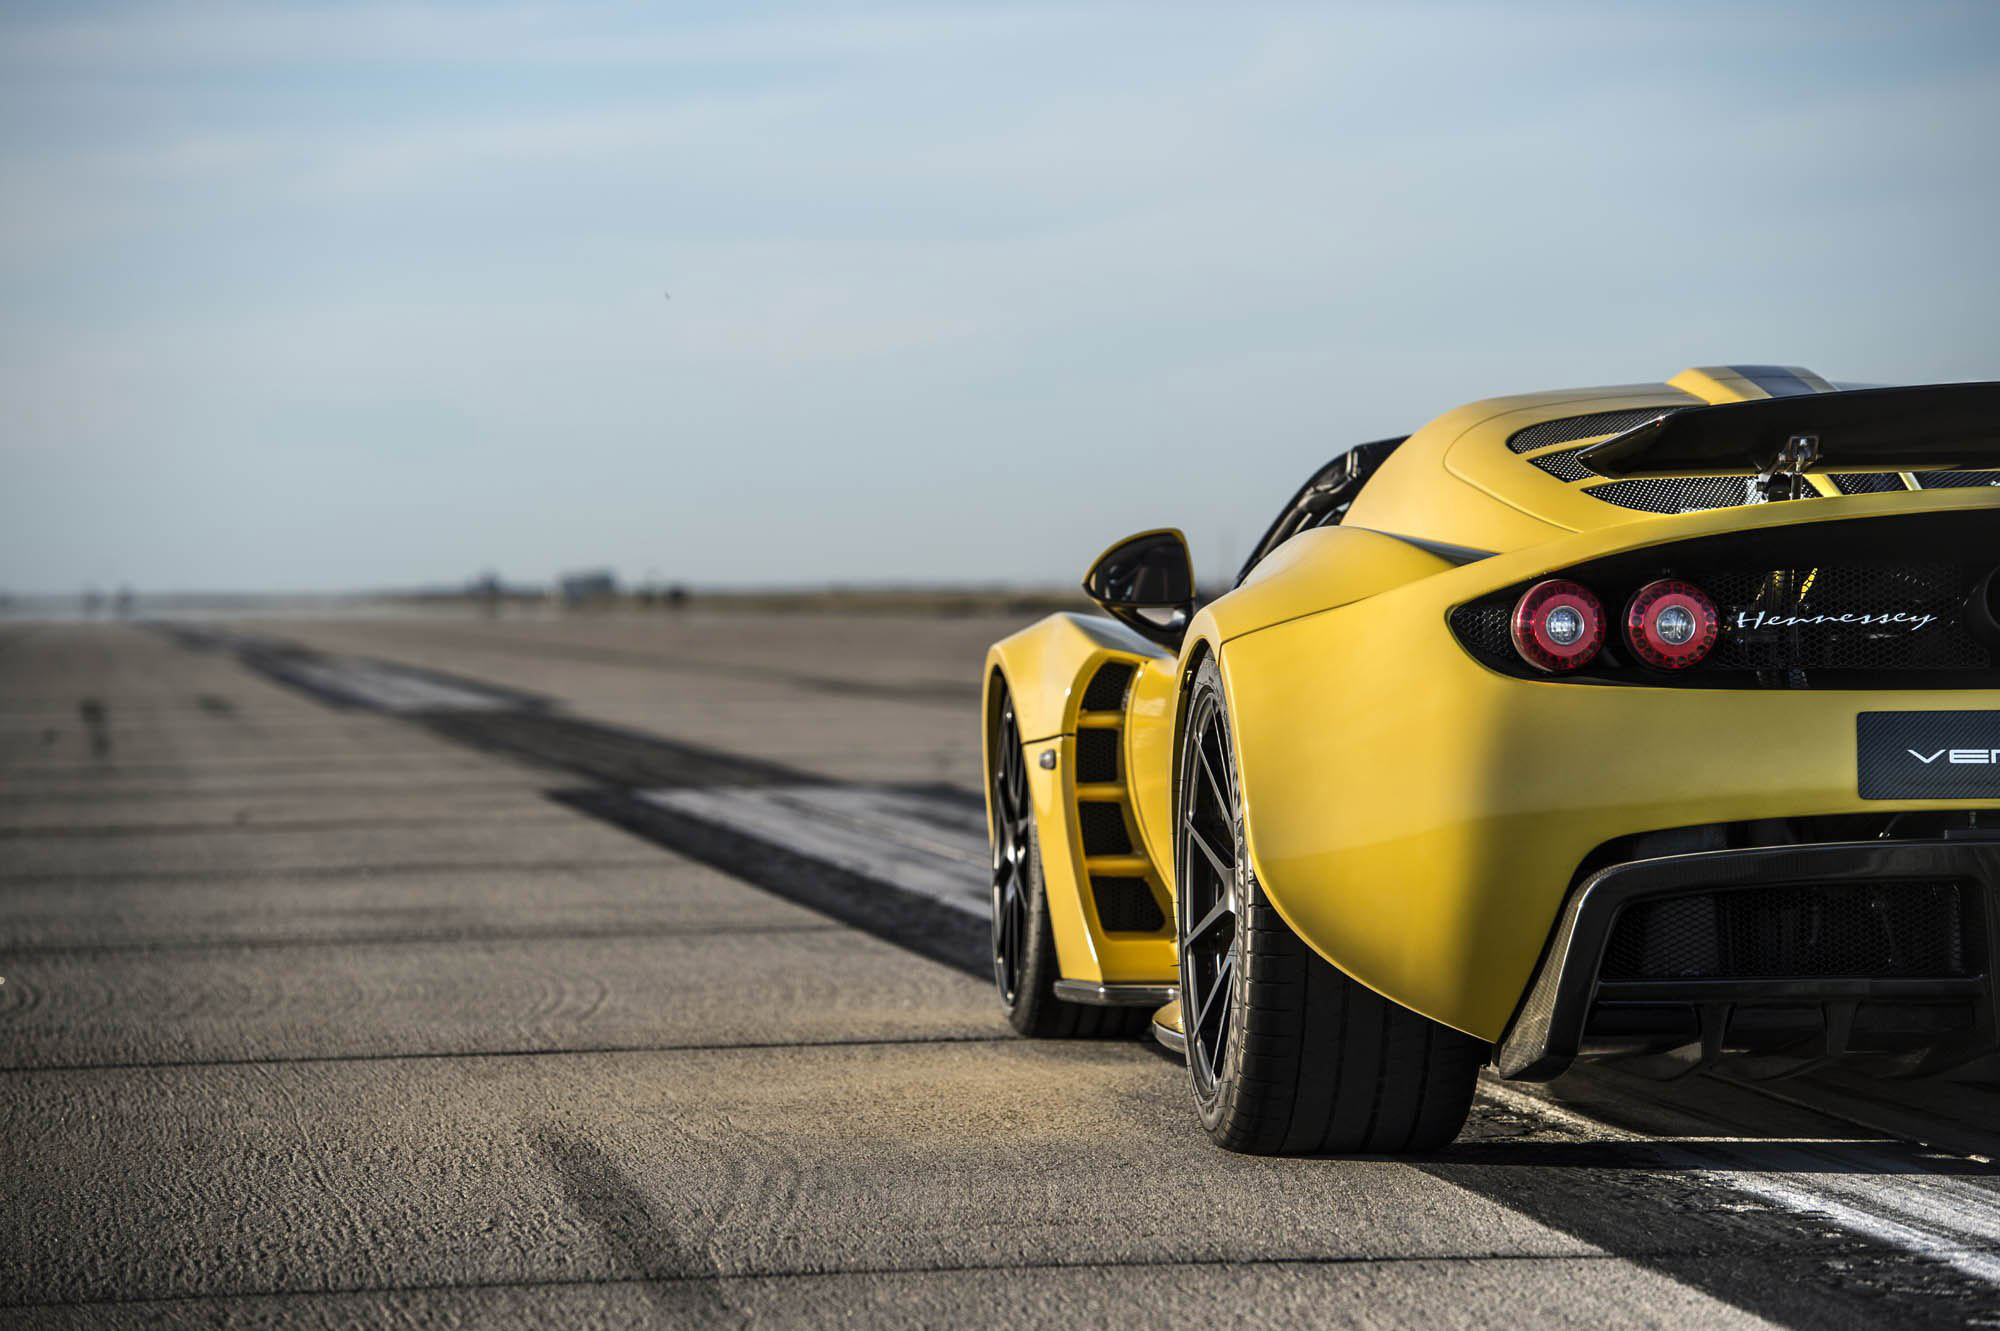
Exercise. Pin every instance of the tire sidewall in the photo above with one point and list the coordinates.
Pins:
(1038, 947)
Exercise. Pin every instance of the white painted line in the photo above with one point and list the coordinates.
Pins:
(1934, 1216)
(391, 689)
(913, 843)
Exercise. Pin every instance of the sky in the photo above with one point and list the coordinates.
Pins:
(345, 296)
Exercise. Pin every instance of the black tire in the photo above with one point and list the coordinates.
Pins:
(1288, 1055)
(1024, 947)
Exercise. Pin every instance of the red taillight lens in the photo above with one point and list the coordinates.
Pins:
(1671, 624)
(1558, 625)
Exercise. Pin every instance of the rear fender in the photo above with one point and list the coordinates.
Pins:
(1418, 818)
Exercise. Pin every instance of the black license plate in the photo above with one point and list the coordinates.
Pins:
(1928, 755)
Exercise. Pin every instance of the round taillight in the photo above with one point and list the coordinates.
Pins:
(1558, 625)
(1671, 624)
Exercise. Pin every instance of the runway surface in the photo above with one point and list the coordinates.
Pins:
(610, 971)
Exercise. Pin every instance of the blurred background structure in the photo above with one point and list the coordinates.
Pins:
(318, 298)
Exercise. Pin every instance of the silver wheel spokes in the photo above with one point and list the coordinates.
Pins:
(1212, 880)
(1012, 812)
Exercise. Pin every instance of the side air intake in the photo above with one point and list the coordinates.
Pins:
(1122, 887)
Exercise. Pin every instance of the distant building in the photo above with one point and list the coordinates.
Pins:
(588, 587)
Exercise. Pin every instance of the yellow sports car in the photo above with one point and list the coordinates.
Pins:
(1658, 722)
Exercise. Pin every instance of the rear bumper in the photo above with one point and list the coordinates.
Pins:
(1944, 1014)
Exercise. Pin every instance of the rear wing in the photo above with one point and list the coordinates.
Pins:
(1931, 427)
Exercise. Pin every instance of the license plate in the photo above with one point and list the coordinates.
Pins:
(1928, 755)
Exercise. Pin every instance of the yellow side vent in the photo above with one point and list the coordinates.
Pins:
(1126, 894)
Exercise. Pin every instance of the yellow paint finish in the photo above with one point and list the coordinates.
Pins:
(1046, 667)
(1481, 457)
(1148, 761)
(1417, 492)
(1070, 916)
(1418, 818)
(1318, 570)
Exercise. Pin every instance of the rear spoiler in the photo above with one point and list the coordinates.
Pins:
(1863, 429)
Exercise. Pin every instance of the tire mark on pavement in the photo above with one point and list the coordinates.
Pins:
(315, 872)
(568, 1051)
(242, 827)
(613, 755)
(678, 1277)
(609, 933)
(95, 721)
(923, 925)
(940, 691)
(179, 794)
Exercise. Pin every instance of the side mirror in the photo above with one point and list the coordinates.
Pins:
(1147, 582)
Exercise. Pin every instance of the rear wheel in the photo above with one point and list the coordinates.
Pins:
(1024, 949)
(1286, 1053)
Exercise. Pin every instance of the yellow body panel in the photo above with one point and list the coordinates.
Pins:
(1416, 817)
(1457, 482)
(1149, 762)
(1046, 668)
(1318, 570)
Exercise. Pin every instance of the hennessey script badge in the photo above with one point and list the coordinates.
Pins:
(1928, 755)
(1760, 619)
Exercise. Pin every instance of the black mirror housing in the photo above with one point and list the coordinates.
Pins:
(1146, 582)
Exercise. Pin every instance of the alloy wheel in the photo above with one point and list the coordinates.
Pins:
(1013, 814)
(1213, 878)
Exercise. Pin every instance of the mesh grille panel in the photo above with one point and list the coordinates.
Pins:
(1106, 691)
(1483, 626)
(1676, 494)
(1868, 483)
(1564, 465)
(1956, 480)
(1126, 905)
(1097, 755)
(1103, 827)
(1908, 930)
(1580, 427)
(1938, 590)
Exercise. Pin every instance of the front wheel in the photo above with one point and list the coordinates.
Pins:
(1286, 1053)
(1024, 948)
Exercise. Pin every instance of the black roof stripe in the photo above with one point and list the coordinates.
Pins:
(1774, 379)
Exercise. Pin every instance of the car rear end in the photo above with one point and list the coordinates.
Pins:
(1782, 846)
(1860, 929)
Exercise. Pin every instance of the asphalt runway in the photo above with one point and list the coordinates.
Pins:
(612, 971)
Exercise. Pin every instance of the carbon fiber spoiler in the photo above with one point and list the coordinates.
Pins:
(1863, 429)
